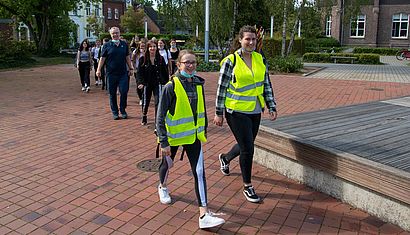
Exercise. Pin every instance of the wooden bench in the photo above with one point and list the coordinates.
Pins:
(351, 58)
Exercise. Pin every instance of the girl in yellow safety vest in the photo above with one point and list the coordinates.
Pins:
(181, 121)
(243, 89)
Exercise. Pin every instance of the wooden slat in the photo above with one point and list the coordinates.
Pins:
(383, 179)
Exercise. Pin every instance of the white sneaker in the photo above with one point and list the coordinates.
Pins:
(87, 89)
(99, 82)
(210, 220)
(140, 102)
(164, 197)
(83, 88)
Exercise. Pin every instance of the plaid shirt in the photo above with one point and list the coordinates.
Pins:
(225, 77)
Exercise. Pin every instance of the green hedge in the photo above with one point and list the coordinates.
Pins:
(130, 36)
(326, 57)
(289, 64)
(207, 67)
(15, 53)
(322, 45)
(273, 47)
(376, 50)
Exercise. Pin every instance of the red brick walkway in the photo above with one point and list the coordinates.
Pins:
(67, 168)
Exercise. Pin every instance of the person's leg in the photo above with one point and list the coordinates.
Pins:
(112, 87)
(145, 104)
(95, 71)
(166, 164)
(124, 85)
(81, 72)
(157, 96)
(196, 159)
(87, 76)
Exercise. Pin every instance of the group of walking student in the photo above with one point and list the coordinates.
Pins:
(244, 92)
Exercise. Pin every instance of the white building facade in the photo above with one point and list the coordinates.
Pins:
(80, 16)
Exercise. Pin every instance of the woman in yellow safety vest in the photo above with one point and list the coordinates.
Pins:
(182, 121)
(243, 89)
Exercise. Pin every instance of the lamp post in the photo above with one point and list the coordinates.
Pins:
(146, 27)
(206, 31)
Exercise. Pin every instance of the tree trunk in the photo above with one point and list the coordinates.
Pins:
(295, 26)
(232, 31)
(285, 16)
(43, 23)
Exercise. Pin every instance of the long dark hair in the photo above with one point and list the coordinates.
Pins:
(147, 54)
(82, 47)
(235, 43)
(163, 41)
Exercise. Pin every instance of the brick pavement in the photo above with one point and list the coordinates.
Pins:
(67, 168)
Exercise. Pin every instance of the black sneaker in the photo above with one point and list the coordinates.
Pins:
(224, 165)
(115, 116)
(250, 194)
(144, 120)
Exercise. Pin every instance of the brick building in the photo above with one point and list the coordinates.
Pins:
(385, 23)
(113, 10)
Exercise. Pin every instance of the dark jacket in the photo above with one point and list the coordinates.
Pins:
(150, 74)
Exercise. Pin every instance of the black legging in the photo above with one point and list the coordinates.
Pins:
(84, 70)
(148, 91)
(95, 69)
(196, 159)
(245, 128)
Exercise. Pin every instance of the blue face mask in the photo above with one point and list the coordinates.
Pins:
(187, 75)
(115, 41)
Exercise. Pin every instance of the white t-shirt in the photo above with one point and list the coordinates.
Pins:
(166, 54)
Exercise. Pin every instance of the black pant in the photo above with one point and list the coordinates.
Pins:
(140, 92)
(245, 128)
(95, 69)
(148, 91)
(84, 70)
(196, 160)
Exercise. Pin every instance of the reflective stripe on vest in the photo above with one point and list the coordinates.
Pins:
(248, 87)
(181, 128)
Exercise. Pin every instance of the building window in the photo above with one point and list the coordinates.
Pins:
(328, 29)
(96, 10)
(88, 33)
(109, 14)
(357, 26)
(116, 14)
(88, 10)
(400, 25)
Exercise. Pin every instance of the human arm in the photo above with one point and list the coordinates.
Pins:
(100, 65)
(165, 103)
(140, 73)
(269, 97)
(130, 66)
(225, 76)
(77, 62)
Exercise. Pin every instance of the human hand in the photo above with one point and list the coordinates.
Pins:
(98, 73)
(141, 86)
(273, 115)
(166, 151)
(218, 120)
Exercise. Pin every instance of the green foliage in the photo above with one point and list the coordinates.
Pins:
(272, 47)
(322, 44)
(290, 64)
(132, 21)
(376, 50)
(130, 36)
(94, 25)
(15, 53)
(62, 36)
(326, 57)
(207, 67)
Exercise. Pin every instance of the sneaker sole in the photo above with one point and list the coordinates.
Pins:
(220, 162)
(250, 199)
(211, 226)
(165, 202)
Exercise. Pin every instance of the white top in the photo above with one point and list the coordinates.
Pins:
(166, 54)
(94, 51)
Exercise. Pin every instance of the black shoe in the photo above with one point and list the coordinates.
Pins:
(115, 117)
(250, 194)
(124, 115)
(144, 120)
(224, 165)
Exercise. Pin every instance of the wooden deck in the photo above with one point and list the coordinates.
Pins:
(367, 144)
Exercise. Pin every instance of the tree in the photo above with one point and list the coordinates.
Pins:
(132, 20)
(95, 25)
(41, 17)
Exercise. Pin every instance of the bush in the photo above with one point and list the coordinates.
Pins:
(273, 47)
(289, 64)
(207, 67)
(376, 50)
(326, 57)
(15, 53)
(322, 45)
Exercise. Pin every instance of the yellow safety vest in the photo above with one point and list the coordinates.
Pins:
(181, 128)
(247, 87)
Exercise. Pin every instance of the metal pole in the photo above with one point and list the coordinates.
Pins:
(206, 31)
(196, 31)
(146, 28)
(271, 26)
(299, 27)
